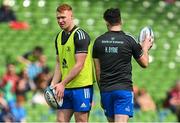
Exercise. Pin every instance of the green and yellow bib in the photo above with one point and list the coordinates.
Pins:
(67, 61)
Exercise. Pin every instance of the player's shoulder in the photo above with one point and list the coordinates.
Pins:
(102, 36)
(80, 29)
(130, 37)
(81, 33)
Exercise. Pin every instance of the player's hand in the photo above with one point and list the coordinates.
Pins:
(147, 43)
(52, 84)
(59, 90)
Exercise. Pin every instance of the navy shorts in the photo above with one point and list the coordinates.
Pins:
(117, 102)
(78, 100)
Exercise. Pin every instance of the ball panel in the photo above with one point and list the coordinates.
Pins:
(58, 102)
(146, 31)
(50, 97)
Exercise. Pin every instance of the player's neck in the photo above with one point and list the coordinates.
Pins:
(115, 28)
(69, 28)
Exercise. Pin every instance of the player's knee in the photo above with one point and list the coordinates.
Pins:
(121, 118)
(81, 117)
(60, 120)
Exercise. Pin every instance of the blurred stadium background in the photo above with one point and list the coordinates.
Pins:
(163, 17)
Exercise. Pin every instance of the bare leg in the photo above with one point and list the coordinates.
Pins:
(81, 116)
(64, 115)
(121, 118)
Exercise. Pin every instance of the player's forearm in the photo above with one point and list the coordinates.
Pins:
(144, 59)
(97, 67)
(98, 75)
(57, 73)
(56, 76)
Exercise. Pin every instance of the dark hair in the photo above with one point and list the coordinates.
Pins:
(38, 49)
(112, 16)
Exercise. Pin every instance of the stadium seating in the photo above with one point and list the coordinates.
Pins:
(164, 19)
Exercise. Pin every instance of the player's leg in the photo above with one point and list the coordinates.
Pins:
(121, 118)
(107, 105)
(82, 100)
(81, 116)
(123, 105)
(65, 112)
(64, 115)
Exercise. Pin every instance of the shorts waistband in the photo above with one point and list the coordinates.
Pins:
(88, 86)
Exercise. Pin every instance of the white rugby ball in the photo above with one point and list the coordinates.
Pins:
(49, 94)
(146, 31)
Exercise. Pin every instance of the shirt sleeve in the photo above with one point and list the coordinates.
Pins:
(136, 49)
(81, 41)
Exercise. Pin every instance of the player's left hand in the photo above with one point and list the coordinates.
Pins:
(59, 90)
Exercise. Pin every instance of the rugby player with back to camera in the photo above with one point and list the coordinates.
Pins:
(112, 52)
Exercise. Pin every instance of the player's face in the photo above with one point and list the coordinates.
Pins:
(64, 19)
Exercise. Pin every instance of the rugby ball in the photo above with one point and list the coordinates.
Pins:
(49, 95)
(146, 31)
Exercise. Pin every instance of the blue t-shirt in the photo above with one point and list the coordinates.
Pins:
(19, 113)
